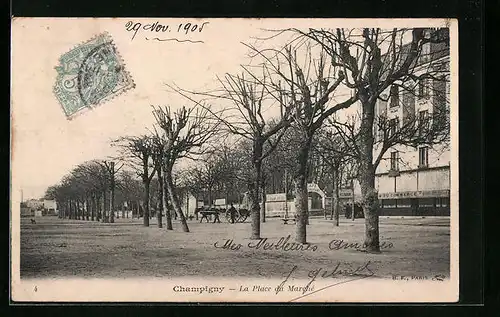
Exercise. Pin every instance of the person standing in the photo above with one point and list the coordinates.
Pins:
(233, 212)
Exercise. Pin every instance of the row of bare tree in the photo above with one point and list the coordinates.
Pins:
(288, 110)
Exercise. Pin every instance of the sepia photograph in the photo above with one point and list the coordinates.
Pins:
(234, 160)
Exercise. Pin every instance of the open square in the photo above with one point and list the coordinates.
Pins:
(75, 248)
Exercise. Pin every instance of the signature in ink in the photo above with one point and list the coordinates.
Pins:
(339, 269)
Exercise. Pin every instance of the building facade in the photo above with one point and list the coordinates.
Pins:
(415, 180)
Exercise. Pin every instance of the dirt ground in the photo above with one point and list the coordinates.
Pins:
(75, 248)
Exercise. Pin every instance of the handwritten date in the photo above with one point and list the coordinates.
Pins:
(158, 28)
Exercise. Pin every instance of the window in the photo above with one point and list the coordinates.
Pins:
(439, 99)
(423, 89)
(444, 202)
(423, 157)
(404, 203)
(393, 126)
(394, 96)
(381, 119)
(389, 203)
(423, 124)
(408, 106)
(395, 161)
(425, 52)
(426, 202)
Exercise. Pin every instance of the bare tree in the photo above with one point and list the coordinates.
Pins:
(184, 133)
(159, 158)
(130, 189)
(244, 117)
(335, 155)
(310, 87)
(140, 150)
(112, 171)
(374, 61)
(95, 177)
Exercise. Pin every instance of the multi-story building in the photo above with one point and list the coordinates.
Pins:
(415, 180)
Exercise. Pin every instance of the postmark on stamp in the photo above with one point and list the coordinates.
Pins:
(90, 74)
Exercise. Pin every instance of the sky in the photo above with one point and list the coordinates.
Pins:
(46, 145)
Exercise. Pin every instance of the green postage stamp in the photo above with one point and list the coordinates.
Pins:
(90, 74)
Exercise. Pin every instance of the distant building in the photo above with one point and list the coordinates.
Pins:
(27, 212)
(34, 204)
(50, 207)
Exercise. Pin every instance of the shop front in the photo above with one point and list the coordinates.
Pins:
(415, 203)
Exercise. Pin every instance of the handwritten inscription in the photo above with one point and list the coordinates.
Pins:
(157, 28)
(344, 245)
(338, 269)
(282, 244)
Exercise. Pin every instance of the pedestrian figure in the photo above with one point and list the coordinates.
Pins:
(233, 212)
(216, 216)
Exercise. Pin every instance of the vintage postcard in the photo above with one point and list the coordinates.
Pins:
(234, 160)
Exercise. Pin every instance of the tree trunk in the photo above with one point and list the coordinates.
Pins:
(92, 210)
(145, 204)
(88, 209)
(196, 207)
(174, 199)
(101, 210)
(210, 196)
(97, 207)
(370, 210)
(353, 204)
(187, 205)
(104, 213)
(254, 199)
(160, 198)
(168, 205)
(336, 198)
(112, 201)
(165, 204)
(77, 210)
(263, 207)
(301, 194)
(301, 208)
(367, 179)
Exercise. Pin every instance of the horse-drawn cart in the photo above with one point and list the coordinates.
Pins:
(209, 213)
(241, 215)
